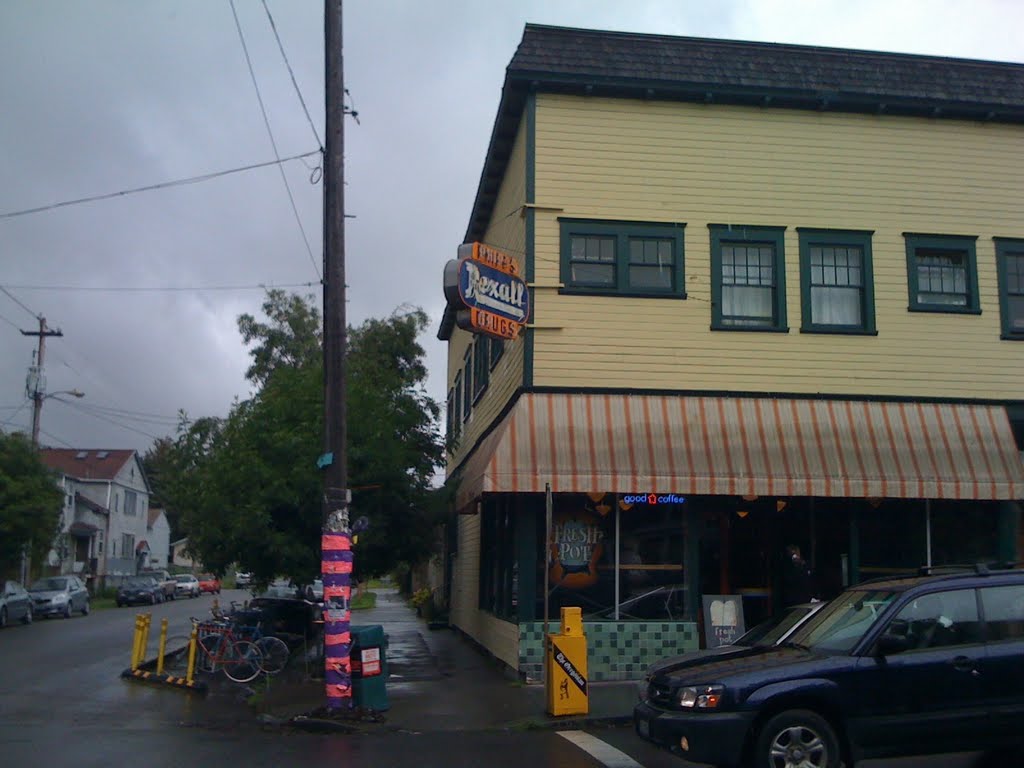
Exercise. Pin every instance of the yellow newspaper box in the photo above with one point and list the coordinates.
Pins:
(567, 667)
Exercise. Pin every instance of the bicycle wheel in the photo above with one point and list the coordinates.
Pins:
(275, 654)
(176, 655)
(208, 651)
(242, 662)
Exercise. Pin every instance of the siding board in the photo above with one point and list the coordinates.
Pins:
(701, 164)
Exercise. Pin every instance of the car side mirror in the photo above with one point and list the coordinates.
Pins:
(890, 644)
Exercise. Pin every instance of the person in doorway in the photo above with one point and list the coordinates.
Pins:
(797, 579)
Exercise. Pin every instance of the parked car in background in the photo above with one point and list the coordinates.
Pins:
(773, 631)
(139, 589)
(209, 583)
(187, 585)
(59, 596)
(167, 583)
(315, 592)
(243, 579)
(901, 666)
(15, 603)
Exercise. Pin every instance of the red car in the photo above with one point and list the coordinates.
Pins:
(209, 583)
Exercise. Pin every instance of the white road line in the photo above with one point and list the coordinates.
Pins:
(606, 753)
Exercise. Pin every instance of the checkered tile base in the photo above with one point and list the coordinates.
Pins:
(616, 650)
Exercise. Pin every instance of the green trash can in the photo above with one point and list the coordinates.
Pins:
(369, 667)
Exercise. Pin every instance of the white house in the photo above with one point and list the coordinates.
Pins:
(158, 537)
(105, 519)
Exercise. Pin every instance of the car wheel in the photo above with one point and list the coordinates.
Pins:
(152, 599)
(27, 618)
(85, 608)
(67, 610)
(3, 617)
(797, 738)
(119, 604)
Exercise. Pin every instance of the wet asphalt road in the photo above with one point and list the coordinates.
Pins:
(62, 703)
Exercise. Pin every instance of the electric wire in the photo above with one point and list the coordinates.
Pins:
(10, 322)
(54, 437)
(273, 143)
(162, 185)
(107, 419)
(298, 92)
(17, 301)
(10, 419)
(167, 288)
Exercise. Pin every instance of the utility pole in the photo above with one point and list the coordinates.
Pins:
(36, 384)
(336, 541)
(36, 389)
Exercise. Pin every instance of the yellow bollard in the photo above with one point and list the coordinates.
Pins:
(192, 642)
(136, 636)
(147, 619)
(162, 647)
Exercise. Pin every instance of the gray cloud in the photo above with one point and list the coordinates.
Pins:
(109, 95)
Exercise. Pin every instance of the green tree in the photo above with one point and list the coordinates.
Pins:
(30, 502)
(248, 487)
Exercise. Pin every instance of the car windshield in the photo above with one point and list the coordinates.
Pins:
(768, 632)
(139, 581)
(184, 578)
(52, 584)
(206, 577)
(840, 625)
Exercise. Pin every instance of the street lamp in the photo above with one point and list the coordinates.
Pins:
(37, 409)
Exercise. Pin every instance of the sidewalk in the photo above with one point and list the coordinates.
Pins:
(440, 680)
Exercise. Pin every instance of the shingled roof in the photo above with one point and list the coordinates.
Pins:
(630, 65)
(86, 464)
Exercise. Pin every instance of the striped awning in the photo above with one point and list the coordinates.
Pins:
(746, 446)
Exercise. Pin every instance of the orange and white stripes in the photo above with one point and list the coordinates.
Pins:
(747, 446)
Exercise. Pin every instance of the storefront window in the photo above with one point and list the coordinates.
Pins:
(587, 530)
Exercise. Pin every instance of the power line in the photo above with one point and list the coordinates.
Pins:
(298, 92)
(18, 301)
(270, 133)
(54, 437)
(162, 185)
(10, 322)
(10, 419)
(142, 418)
(107, 419)
(167, 288)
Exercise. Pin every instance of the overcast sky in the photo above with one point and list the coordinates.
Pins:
(99, 96)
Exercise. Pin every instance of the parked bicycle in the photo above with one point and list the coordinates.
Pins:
(221, 647)
(248, 625)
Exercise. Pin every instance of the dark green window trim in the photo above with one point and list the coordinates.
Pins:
(619, 237)
(457, 419)
(813, 238)
(467, 383)
(723, 235)
(481, 369)
(449, 414)
(1011, 283)
(922, 245)
(497, 350)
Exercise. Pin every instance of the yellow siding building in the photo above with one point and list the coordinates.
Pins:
(777, 299)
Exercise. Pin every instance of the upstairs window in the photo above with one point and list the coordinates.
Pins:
(467, 383)
(497, 350)
(457, 405)
(942, 273)
(623, 258)
(748, 286)
(1010, 265)
(481, 367)
(836, 282)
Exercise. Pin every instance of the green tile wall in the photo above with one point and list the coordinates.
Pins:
(616, 650)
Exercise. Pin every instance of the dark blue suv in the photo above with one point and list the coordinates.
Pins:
(913, 665)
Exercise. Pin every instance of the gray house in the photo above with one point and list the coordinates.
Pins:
(105, 526)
